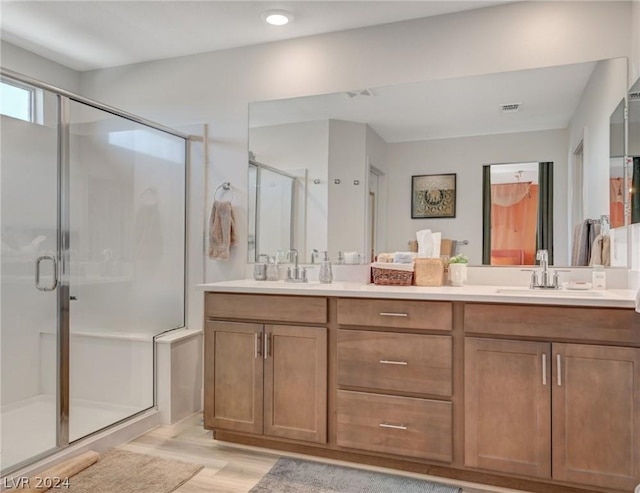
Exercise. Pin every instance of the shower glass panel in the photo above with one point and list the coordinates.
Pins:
(274, 224)
(29, 316)
(126, 269)
(252, 212)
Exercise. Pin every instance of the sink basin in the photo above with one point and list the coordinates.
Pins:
(551, 292)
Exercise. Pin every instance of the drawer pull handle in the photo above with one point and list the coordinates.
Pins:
(392, 314)
(390, 362)
(393, 427)
(544, 369)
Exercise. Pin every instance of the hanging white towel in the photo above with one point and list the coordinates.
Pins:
(222, 234)
(596, 251)
(606, 250)
(601, 251)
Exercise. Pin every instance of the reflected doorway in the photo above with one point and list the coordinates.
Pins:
(517, 212)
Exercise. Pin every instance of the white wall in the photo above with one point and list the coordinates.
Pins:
(605, 89)
(347, 200)
(634, 66)
(215, 88)
(376, 149)
(465, 156)
(37, 67)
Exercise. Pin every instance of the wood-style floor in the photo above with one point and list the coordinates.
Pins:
(230, 468)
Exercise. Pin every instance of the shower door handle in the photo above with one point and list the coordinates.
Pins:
(54, 283)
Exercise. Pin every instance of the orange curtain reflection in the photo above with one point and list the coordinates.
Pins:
(514, 217)
(616, 202)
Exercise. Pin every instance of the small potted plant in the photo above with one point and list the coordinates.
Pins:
(458, 270)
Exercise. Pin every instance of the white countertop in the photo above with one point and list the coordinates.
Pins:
(623, 298)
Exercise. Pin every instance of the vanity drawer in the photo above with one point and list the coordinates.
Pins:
(393, 361)
(395, 425)
(432, 315)
(307, 309)
(618, 325)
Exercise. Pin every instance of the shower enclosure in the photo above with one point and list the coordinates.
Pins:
(92, 265)
(271, 210)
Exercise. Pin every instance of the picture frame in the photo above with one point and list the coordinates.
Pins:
(433, 196)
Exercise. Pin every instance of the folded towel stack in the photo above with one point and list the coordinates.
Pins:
(404, 257)
(397, 257)
(393, 266)
(385, 257)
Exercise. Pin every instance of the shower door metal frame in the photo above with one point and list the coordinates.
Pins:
(64, 299)
(61, 273)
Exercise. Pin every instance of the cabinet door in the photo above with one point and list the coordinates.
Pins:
(507, 406)
(233, 376)
(295, 394)
(596, 415)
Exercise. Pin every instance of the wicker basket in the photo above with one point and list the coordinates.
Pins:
(391, 277)
(429, 272)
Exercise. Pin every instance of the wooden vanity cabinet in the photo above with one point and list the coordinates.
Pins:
(234, 376)
(395, 378)
(596, 415)
(514, 395)
(569, 412)
(268, 379)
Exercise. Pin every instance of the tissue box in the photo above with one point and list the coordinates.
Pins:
(429, 272)
(391, 275)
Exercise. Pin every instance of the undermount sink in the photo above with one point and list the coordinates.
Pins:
(569, 293)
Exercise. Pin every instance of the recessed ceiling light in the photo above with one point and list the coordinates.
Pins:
(277, 17)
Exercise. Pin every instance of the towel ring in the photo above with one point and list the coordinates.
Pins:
(225, 186)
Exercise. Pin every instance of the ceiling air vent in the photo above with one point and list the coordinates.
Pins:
(634, 97)
(509, 108)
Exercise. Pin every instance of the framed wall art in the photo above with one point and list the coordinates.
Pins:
(433, 196)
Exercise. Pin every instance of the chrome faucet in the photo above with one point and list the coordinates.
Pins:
(295, 273)
(541, 279)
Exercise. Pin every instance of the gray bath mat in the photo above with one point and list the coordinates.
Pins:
(301, 476)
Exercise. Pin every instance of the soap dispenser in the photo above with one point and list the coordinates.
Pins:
(326, 275)
(598, 277)
(273, 271)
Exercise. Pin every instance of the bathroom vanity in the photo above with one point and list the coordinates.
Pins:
(497, 385)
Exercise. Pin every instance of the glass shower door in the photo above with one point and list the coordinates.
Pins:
(29, 396)
(127, 236)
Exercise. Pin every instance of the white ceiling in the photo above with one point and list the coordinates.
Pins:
(87, 35)
(446, 108)
(93, 34)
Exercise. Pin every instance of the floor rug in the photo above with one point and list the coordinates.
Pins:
(300, 476)
(127, 472)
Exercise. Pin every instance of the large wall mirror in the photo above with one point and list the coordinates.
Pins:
(352, 154)
(618, 189)
(633, 151)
